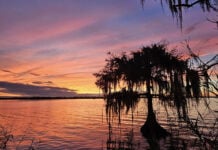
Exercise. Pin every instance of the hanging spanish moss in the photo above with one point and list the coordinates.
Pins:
(148, 72)
(177, 7)
(193, 81)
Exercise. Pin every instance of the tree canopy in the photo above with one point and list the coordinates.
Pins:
(154, 71)
(151, 70)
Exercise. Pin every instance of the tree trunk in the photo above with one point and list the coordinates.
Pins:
(151, 128)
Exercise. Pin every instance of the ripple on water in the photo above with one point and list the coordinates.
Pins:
(82, 124)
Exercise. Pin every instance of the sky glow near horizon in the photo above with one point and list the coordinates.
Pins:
(56, 46)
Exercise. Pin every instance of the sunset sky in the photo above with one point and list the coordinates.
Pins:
(53, 47)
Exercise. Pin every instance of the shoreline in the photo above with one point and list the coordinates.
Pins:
(50, 98)
(75, 97)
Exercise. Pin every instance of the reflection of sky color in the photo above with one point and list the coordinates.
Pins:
(62, 43)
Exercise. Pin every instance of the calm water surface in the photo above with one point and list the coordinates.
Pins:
(82, 124)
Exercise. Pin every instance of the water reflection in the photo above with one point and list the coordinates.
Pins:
(115, 106)
(57, 124)
(90, 124)
(180, 131)
(116, 142)
(127, 100)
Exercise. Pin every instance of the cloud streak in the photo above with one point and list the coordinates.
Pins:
(33, 90)
(65, 42)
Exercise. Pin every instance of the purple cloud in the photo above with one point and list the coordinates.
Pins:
(33, 90)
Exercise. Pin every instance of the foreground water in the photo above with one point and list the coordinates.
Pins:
(83, 124)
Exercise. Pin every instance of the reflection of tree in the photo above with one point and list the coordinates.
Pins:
(5, 137)
(149, 72)
(117, 142)
(10, 141)
(115, 104)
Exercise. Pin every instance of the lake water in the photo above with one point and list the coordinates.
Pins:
(83, 124)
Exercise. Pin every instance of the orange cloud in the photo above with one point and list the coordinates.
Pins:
(68, 48)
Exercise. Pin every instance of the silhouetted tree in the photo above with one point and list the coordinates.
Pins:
(153, 71)
(207, 71)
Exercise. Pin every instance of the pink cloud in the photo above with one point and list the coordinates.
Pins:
(67, 50)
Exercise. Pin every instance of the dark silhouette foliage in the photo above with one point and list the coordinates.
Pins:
(151, 70)
(148, 72)
(177, 7)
